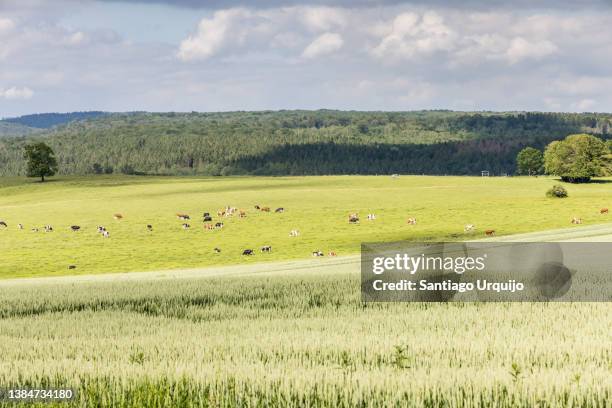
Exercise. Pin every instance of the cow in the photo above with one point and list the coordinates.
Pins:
(149, 227)
(353, 218)
(217, 250)
(242, 214)
(48, 228)
(35, 229)
(209, 226)
(576, 220)
(3, 224)
(257, 207)
(106, 234)
(317, 253)
(332, 253)
(468, 228)
(603, 211)
(221, 213)
(183, 217)
(265, 209)
(75, 228)
(490, 232)
(247, 252)
(186, 226)
(219, 225)
(71, 266)
(117, 216)
(411, 221)
(206, 214)
(279, 210)
(207, 218)
(20, 226)
(294, 233)
(371, 217)
(100, 229)
(266, 248)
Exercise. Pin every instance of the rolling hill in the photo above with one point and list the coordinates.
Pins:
(301, 142)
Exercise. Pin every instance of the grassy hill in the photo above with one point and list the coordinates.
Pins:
(301, 142)
(8, 129)
(317, 206)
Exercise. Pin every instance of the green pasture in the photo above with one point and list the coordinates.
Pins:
(317, 206)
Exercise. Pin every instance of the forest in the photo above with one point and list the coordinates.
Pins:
(291, 142)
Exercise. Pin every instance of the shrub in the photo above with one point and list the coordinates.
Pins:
(557, 192)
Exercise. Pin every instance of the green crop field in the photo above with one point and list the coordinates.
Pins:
(317, 206)
(296, 338)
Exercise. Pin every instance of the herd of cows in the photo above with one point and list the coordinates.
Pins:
(208, 224)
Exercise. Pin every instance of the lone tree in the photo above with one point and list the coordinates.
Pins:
(577, 158)
(41, 161)
(530, 161)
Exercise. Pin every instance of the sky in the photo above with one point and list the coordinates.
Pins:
(220, 55)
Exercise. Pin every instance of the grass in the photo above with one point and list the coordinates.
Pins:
(317, 206)
(297, 339)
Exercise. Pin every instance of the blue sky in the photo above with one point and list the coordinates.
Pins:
(217, 55)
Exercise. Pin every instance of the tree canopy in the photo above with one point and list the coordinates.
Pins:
(577, 158)
(529, 162)
(41, 161)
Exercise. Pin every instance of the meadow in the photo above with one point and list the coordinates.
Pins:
(300, 338)
(317, 206)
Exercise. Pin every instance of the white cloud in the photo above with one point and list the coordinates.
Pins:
(521, 49)
(6, 25)
(412, 34)
(324, 44)
(323, 18)
(16, 93)
(584, 105)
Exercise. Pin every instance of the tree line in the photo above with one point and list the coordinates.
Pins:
(300, 142)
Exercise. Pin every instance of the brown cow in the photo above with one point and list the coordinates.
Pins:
(265, 209)
(353, 218)
(242, 214)
(576, 220)
(490, 232)
(411, 221)
(209, 226)
(117, 216)
(603, 211)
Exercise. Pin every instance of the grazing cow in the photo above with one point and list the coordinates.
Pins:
(149, 227)
(71, 266)
(186, 226)
(248, 252)
(117, 216)
(468, 228)
(209, 226)
(221, 213)
(3, 224)
(371, 217)
(411, 221)
(257, 207)
(207, 218)
(75, 228)
(106, 234)
(183, 217)
(489, 232)
(266, 248)
(217, 250)
(20, 226)
(242, 214)
(603, 211)
(48, 228)
(353, 218)
(317, 253)
(279, 210)
(34, 229)
(219, 225)
(100, 229)
(206, 214)
(294, 233)
(576, 220)
(332, 253)
(265, 209)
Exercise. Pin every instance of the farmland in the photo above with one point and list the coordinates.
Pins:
(295, 338)
(316, 206)
(274, 329)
